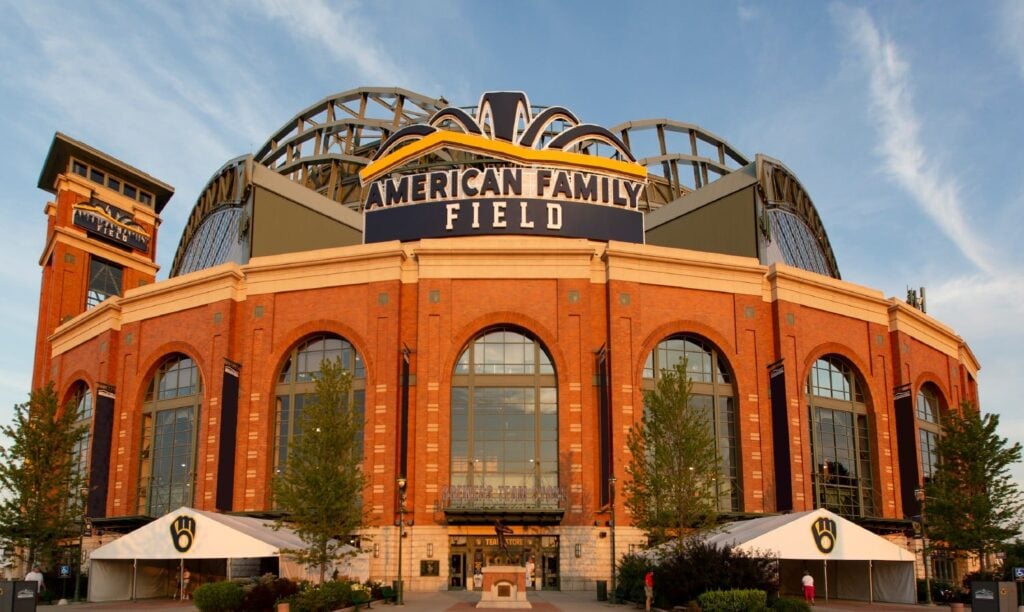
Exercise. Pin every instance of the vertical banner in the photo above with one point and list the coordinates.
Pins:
(99, 458)
(906, 448)
(228, 435)
(604, 417)
(781, 437)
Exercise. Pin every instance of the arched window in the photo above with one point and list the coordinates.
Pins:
(929, 428)
(713, 392)
(504, 418)
(81, 403)
(296, 386)
(170, 414)
(840, 442)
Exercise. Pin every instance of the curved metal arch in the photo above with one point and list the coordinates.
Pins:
(672, 184)
(589, 132)
(412, 132)
(326, 144)
(457, 116)
(423, 107)
(543, 120)
(229, 186)
(327, 135)
(782, 190)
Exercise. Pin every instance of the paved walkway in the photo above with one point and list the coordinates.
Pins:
(462, 601)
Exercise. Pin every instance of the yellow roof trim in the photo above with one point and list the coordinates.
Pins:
(480, 144)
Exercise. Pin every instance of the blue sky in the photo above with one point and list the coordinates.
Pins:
(900, 119)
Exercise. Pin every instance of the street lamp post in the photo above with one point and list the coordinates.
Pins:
(401, 535)
(81, 540)
(611, 503)
(919, 494)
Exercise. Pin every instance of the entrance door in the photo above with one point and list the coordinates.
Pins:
(457, 571)
(549, 563)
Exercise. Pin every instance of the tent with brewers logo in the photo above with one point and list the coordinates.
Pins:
(187, 547)
(846, 560)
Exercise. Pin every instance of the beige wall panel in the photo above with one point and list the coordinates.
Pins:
(279, 225)
(728, 226)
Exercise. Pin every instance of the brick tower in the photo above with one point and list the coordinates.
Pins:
(100, 236)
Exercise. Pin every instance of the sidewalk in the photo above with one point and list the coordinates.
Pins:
(463, 601)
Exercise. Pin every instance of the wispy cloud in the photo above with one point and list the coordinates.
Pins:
(1011, 27)
(747, 12)
(904, 156)
(339, 30)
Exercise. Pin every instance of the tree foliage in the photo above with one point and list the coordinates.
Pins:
(675, 461)
(973, 505)
(43, 498)
(320, 488)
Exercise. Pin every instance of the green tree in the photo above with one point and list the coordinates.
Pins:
(320, 489)
(43, 501)
(1013, 557)
(675, 461)
(972, 503)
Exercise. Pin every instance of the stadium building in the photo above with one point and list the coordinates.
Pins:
(504, 281)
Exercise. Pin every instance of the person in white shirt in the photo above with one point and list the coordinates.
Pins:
(37, 576)
(808, 582)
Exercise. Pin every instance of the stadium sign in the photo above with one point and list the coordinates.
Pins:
(111, 223)
(522, 176)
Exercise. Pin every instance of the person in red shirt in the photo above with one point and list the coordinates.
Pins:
(649, 589)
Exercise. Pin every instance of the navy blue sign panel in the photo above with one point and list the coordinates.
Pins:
(519, 216)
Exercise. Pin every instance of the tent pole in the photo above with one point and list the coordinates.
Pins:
(825, 562)
(871, 582)
(135, 571)
(181, 579)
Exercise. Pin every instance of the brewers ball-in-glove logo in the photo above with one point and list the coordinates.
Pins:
(183, 532)
(824, 530)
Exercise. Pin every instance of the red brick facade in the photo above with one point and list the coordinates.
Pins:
(432, 298)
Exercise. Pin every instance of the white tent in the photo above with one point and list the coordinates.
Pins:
(149, 561)
(846, 560)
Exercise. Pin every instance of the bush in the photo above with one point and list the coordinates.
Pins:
(695, 567)
(219, 597)
(630, 578)
(942, 591)
(735, 600)
(263, 593)
(790, 604)
(322, 598)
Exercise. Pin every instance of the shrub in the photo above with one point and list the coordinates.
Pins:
(330, 595)
(263, 593)
(942, 591)
(695, 567)
(735, 600)
(630, 577)
(219, 597)
(376, 589)
(790, 604)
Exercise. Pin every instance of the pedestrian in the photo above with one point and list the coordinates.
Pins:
(649, 589)
(36, 575)
(186, 578)
(529, 573)
(808, 582)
